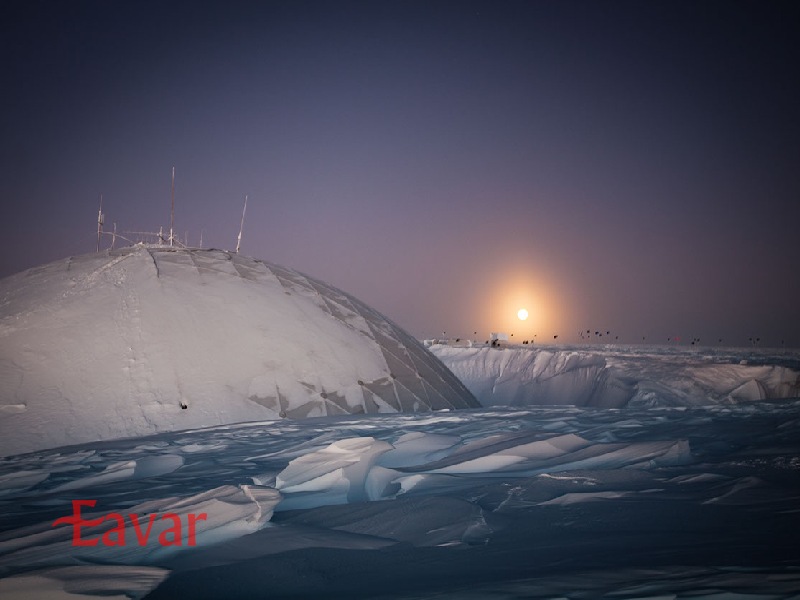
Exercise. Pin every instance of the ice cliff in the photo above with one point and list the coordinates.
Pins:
(617, 376)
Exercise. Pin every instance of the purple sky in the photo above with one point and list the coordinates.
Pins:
(622, 166)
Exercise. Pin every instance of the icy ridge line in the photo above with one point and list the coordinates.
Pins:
(516, 376)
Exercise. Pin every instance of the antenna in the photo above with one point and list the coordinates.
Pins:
(99, 222)
(172, 212)
(241, 227)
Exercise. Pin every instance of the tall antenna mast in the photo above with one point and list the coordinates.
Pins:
(172, 212)
(241, 227)
(99, 222)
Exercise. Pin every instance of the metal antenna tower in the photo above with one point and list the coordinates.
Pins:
(99, 222)
(172, 212)
(241, 227)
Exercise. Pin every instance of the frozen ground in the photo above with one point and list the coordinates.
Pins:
(610, 472)
(536, 502)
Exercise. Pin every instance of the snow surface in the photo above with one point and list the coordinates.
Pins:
(617, 376)
(612, 472)
(540, 502)
(146, 339)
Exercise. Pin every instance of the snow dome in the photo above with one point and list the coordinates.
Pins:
(148, 339)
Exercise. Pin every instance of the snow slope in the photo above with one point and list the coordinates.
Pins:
(146, 339)
(620, 376)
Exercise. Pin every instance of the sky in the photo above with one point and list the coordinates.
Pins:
(631, 167)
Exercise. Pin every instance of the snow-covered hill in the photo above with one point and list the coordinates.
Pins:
(619, 376)
(149, 339)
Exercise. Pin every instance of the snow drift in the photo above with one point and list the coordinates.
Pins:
(148, 339)
(614, 377)
(537, 502)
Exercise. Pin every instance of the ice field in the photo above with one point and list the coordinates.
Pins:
(540, 502)
(228, 428)
(616, 375)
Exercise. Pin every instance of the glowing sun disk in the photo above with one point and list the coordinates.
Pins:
(522, 314)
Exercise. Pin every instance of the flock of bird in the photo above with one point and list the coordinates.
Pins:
(600, 336)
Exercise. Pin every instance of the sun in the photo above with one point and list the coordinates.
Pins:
(522, 314)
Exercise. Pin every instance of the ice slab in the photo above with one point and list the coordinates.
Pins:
(336, 474)
(88, 582)
(416, 448)
(421, 521)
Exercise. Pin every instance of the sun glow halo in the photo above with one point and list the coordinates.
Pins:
(511, 290)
